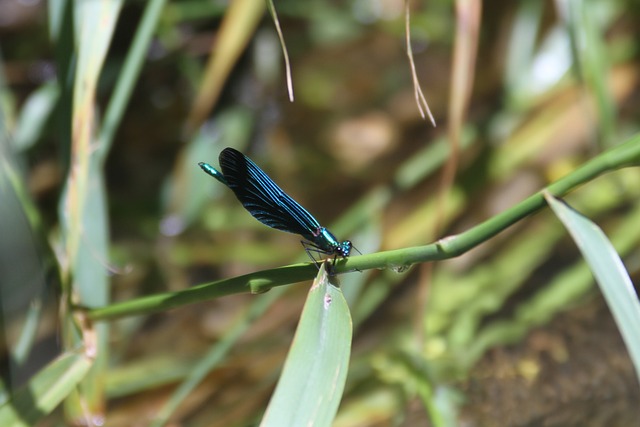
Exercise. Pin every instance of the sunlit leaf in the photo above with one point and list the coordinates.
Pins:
(609, 271)
(45, 390)
(311, 384)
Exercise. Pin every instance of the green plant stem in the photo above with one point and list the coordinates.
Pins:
(624, 155)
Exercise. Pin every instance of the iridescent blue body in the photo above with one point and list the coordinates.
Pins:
(267, 203)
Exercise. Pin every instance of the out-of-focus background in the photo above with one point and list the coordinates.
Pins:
(515, 333)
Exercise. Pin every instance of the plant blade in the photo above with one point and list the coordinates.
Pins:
(45, 391)
(310, 387)
(609, 272)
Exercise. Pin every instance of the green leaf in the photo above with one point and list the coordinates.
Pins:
(45, 390)
(310, 387)
(609, 272)
(34, 115)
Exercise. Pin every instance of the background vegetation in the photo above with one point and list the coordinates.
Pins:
(108, 106)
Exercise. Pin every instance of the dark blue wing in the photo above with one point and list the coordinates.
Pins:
(263, 198)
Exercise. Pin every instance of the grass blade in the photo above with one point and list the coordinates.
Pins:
(45, 391)
(609, 272)
(83, 205)
(238, 26)
(311, 384)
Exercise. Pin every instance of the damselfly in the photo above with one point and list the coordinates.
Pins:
(267, 203)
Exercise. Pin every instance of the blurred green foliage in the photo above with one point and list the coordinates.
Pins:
(101, 200)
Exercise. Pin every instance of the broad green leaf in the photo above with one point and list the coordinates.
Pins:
(25, 262)
(45, 391)
(310, 387)
(609, 272)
